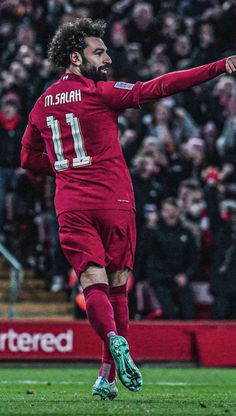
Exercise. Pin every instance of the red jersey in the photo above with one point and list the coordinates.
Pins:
(73, 132)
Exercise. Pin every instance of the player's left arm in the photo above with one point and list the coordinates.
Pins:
(33, 155)
(174, 82)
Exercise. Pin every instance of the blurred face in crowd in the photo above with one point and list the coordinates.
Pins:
(161, 113)
(206, 34)
(150, 143)
(142, 15)
(210, 132)
(194, 149)
(226, 85)
(132, 115)
(182, 46)
(158, 51)
(159, 67)
(170, 25)
(46, 69)
(189, 23)
(26, 35)
(18, 72)
(118, 35)
(170, 214)
(183, 197)
(151, 217)
(146, 166)
(28, 57)
(9, 110)
(195, 203)
(134, 52)
(6, 29)
(225, 90)
(82, 11)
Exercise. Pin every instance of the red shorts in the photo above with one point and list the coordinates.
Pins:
(103, 237)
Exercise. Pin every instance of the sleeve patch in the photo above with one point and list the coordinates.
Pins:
(124, 85)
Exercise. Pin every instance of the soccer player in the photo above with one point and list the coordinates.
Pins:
(72, 134)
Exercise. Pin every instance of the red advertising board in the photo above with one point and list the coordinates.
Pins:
(76, 340)
(48, 340)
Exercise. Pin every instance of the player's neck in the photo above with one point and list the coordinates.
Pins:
(73, 70)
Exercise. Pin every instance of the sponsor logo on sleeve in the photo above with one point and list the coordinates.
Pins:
(124, 85)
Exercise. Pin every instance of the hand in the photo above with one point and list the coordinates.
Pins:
(211, 175)
(230, 66)
(129, 136)
(227, 169)
(180, 112)
(120, 6)
(181, 279)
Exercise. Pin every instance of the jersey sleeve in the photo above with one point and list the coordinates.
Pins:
(174, 82)
(119, 95)
(33, 155)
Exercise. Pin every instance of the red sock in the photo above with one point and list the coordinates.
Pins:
(108, 368)
(99, 310)
(119, 300)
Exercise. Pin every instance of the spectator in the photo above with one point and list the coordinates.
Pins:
(182, 52)
(223, 266)
(12, 126)
(172, 126)
(142, 27)
(147, 189)
(210, 135)
(206, 49)
(118, 38)
(171, 263)
(191, 204)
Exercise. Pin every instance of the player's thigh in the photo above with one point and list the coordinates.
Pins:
(80, 241)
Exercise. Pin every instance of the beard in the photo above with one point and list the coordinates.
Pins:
(91, 72)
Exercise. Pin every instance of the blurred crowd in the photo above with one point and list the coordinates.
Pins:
(181, 150)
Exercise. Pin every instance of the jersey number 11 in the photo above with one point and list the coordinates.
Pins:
(81, 158)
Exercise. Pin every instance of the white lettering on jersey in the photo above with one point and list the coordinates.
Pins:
(124, 85)
(48, 100)
(62, 98)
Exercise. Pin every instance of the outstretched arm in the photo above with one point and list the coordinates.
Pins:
(174, 82)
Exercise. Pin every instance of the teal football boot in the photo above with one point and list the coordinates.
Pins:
(127, 371)
(104, 389)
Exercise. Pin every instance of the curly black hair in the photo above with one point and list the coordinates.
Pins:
(70, 37)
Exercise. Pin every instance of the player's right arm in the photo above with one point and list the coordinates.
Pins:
(174, 82)
(33, 155)
(119, 95)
